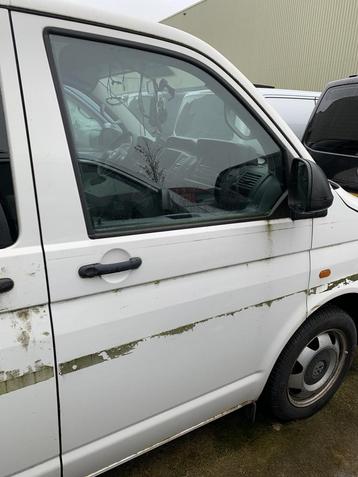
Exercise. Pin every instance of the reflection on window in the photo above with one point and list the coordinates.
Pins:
(159, 143)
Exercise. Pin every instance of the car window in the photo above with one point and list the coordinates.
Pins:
(8, 218)
(178, 149)
(334, 125)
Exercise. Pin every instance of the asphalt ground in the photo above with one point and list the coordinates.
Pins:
(323, 445)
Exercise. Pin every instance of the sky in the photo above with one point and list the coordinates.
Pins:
(155, 10)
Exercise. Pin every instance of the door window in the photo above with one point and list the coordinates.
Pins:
(8, 219)
(158, 143)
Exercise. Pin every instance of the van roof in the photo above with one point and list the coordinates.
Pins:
(102, 12)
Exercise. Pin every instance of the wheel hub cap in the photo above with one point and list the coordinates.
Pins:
(317, 368)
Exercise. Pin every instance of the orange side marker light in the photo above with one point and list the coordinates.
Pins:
(324, 273)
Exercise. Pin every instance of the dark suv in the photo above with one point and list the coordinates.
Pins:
(331, 136)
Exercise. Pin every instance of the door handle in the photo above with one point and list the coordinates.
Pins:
(6, 284)
(97, 269)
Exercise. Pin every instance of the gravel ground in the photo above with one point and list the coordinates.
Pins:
(324, 445)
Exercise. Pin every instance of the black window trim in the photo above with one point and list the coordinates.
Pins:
(279, 210)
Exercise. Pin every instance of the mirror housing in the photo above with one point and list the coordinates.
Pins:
(309, 192)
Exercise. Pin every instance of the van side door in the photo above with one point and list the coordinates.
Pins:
(176, 275)
(29, 434)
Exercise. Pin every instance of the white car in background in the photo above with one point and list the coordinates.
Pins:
(294, 106)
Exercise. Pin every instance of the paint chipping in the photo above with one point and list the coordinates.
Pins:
(337, 283)
(128, 348)
(97, 358)
(14, 380)
(176, 331)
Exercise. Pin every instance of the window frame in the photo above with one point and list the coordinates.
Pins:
(279, 210)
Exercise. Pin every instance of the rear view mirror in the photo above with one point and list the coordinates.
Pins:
(309, 192)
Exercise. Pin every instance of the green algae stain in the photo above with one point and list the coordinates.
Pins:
(14, 380)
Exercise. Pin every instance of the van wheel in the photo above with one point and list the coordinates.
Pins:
(313, 364)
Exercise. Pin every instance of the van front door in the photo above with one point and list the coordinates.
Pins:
(175, 273)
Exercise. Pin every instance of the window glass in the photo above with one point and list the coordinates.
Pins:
(86, 128)
(335, 123)
(8, 218)
(159, 143)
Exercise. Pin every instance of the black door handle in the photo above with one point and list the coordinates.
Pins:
(97, 269)
(6, 284)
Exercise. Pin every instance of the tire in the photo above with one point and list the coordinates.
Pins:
(313, 364)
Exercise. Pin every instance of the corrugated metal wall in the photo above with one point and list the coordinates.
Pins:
(300, 44)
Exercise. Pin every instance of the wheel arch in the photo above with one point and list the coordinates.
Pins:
(275, 392)
(348, 302)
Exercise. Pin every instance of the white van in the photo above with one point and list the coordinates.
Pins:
(150, 284)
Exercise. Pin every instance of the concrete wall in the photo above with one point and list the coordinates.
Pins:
(300, 44)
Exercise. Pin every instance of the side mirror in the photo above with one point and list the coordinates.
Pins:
(309, 192)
